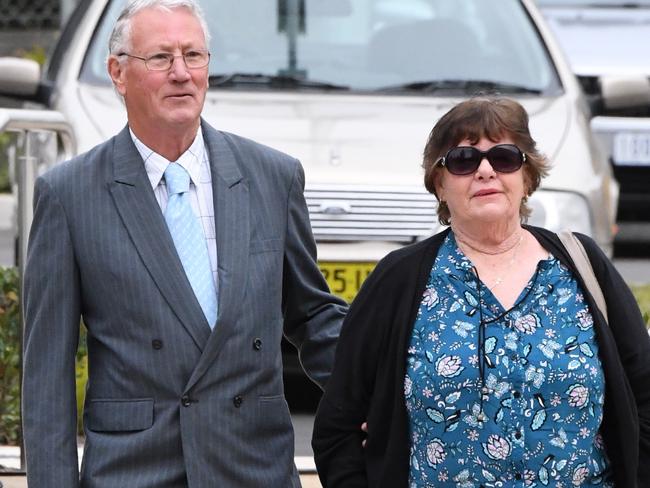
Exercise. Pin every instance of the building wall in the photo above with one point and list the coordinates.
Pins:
(30, 14)
(26, 25)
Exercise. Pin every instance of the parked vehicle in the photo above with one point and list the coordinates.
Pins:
(353, 88)
(606, 42)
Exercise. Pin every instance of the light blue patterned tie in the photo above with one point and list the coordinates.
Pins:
(189, 240)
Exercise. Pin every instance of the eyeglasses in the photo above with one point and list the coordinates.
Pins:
(465, 160)
(163, 61)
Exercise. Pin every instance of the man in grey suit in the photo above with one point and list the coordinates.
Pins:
(184, 389)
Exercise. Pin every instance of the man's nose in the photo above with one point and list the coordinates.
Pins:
(178, 69)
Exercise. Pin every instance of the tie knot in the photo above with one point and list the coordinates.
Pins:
(176, 179)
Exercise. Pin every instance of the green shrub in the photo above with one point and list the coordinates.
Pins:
(36, 53)
(9, 357)
(5, 183)
(81, 377)
(642, 294)
(10, 360)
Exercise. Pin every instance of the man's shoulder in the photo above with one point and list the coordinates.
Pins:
(82, 163)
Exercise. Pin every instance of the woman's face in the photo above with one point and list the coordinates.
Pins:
(484, 196)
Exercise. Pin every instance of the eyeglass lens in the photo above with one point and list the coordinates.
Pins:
(504, 158)
(163, 61)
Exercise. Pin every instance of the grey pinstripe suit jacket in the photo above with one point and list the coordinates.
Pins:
(169, 404)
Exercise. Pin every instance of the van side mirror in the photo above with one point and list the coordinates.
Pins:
(19, 77)
(620, 92)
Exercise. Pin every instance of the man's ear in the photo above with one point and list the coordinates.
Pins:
(116, 72)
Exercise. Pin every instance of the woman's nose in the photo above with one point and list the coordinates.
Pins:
(485, 169)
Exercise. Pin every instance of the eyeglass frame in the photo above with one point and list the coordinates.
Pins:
(442, 160)
(170, 58)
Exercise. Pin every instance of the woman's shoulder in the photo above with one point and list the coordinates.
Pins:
(412, 255)
(401, 269)
(551, 241)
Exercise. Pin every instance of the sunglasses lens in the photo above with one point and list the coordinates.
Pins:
(505, 158)
(463, 160)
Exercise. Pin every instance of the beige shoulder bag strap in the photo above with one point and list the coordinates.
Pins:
(577, 252)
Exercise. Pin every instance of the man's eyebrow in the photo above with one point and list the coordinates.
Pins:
(167, 48)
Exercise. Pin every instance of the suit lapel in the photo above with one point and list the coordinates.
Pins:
(232, 221)
(141, 215)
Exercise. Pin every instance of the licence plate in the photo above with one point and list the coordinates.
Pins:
(345, 278)
(631, 149)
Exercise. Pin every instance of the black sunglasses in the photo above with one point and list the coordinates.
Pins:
(465, 160)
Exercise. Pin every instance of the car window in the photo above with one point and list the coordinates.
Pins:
(58, 55)
(365, 45)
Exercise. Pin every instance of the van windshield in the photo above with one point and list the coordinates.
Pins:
(387, 46)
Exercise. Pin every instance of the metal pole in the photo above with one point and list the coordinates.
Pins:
(293, 17)
(26, 122)
(26, 178)
(26, 175)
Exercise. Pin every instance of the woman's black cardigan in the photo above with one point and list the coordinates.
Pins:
(368, 378)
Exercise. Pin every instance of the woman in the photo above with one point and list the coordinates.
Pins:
(477, 356)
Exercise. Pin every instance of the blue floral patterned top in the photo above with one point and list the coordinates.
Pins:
(534, 421)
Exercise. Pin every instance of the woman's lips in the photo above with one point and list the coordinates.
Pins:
(484, 193)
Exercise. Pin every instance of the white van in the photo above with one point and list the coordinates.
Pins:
(352, 88)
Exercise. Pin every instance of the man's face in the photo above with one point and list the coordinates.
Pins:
(169, 99)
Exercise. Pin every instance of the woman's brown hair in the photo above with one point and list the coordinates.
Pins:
(494, 118)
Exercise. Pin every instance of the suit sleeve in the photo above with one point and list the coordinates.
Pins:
(312, 315)
(632, 342)
(51, 312)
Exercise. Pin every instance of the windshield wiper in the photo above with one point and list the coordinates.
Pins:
(232, 80)
(464, 86)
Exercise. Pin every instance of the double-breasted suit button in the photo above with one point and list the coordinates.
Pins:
(257, 344)
(186, 401)
(237, 401)
(156, 344)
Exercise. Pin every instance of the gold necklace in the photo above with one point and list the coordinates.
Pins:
(511, 262)
(489, 253)
(502, 277)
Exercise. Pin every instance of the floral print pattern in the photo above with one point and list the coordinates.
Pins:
(533, 419)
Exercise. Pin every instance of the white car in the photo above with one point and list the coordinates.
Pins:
(352, 88)
(607, 43)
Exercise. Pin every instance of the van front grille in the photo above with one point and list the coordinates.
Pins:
(355, 212)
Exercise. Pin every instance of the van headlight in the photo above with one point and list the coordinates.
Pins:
(560, 210)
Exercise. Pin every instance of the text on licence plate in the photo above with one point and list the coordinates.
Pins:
(631, 149)
(345, 278)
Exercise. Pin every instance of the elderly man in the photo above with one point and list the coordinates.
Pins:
(188, 253)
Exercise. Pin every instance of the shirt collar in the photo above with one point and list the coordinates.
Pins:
(155, 164)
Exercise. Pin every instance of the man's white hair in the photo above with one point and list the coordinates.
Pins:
(120, 40)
